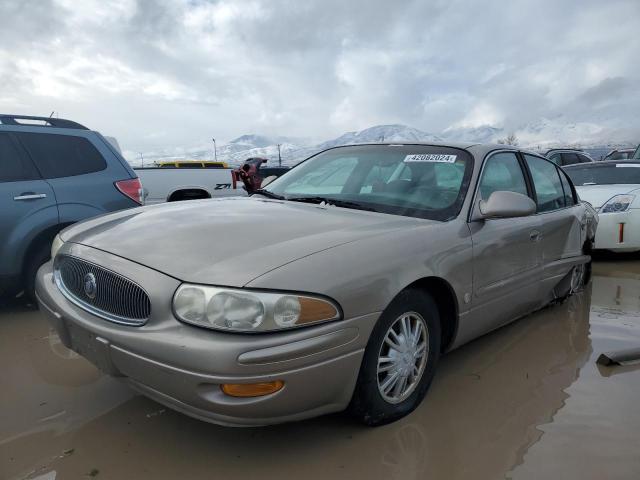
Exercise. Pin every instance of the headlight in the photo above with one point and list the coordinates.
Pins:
(619, 203)
(56, 245)
(249, 311)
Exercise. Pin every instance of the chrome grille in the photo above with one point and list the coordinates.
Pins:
(101, 291)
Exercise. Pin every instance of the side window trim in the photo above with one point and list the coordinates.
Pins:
(476, 189)
(527, 177)
(574, 195)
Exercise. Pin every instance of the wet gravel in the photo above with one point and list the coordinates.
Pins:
(527, 401)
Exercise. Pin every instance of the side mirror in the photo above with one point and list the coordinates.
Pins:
(504, 204)
(268, 180)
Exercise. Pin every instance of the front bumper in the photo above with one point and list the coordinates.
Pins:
(608, 231)
(182, 366)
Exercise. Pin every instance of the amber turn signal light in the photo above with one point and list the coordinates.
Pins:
(251, 389)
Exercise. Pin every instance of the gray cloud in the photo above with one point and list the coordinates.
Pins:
(159, 74)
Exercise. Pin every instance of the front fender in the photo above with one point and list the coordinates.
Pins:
(365, 275)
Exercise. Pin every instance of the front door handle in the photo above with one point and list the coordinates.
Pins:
(29, 196)
(535, 236)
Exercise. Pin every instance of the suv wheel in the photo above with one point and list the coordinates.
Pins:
(400, 360)
(39, 257)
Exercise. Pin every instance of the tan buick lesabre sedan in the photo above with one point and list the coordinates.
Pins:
(337, 286)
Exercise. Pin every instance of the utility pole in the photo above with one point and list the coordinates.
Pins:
(279, 156)
(141, 159)
(215, 150)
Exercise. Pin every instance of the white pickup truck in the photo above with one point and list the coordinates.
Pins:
(175, 184)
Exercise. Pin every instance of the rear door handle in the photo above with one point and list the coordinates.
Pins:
(30, 196)
(535, 236)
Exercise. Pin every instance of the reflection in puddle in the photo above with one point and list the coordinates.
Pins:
(526, 402)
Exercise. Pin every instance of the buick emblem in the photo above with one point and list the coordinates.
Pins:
(90, 286)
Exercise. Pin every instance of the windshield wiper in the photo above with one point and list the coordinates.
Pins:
(331, 201)
(309, 199)
(269, 194)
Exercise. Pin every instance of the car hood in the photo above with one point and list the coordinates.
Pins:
(228, 241)
(597, 195)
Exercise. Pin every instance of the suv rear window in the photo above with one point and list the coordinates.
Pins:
(13, 167)
(62, 155)
(570, 159)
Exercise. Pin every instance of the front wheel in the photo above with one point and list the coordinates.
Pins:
(399, 361)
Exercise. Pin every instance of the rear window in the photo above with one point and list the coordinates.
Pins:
(13, 167)
(62, 155)
(546, 181)
(600, 174)
(570, 159)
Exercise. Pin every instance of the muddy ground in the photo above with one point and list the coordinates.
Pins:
(527, 401)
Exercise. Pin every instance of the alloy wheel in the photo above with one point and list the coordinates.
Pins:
(402, 357)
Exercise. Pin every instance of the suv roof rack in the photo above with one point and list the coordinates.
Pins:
(8, 119)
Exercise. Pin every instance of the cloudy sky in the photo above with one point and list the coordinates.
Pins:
(166, 73)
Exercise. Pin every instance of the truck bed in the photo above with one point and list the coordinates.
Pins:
(171, 184)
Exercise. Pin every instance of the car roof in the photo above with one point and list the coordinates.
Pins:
(474, 148)
(604, 163)
(461, 145)
(568, 149)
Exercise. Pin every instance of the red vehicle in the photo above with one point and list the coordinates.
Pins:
(252, 173)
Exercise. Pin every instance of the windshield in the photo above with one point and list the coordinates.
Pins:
(614, 173)
(411, 180)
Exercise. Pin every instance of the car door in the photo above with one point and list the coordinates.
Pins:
(560, 216)
(27, 205)
(506, 255)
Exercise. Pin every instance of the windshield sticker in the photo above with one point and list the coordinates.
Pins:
(431, 157)
(628, 165)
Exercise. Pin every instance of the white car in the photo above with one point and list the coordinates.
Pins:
(613, 188)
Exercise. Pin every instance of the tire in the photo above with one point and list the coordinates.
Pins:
(587, 249)
(369, 403)
(38, 257)
(587, 273)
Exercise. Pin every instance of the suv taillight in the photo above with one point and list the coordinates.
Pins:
(132, 188)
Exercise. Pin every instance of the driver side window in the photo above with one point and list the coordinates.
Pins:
(502, 172)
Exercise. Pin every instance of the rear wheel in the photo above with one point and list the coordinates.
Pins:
(400, 360)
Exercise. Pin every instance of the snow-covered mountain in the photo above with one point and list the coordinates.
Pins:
(542, 134)
(382, 133)
(292, 150)
(482, 134)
